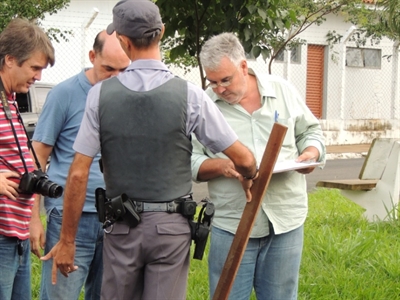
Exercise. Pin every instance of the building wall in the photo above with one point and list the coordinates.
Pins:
(359, 104)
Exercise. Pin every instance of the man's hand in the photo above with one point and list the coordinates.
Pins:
(247, 184)
(63, 254)
(36, 235)
(8, 187)
(228, 169)
(310, 154)
(216, 167)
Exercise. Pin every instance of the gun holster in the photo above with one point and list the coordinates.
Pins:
(120, 208)
(201, 229)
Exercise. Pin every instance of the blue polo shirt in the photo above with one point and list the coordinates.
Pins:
(58, 126)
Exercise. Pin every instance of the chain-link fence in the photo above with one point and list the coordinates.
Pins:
(72, 53)
(358, 83)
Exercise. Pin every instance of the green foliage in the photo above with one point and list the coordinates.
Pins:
(344, 256)
(375, 22)
(190, 23)
(33, 10)
(392, 11)
(29, 9)
(304, 13)
(264, 27)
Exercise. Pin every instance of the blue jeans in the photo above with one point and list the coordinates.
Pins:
(270, 264)
(15, 270)
(88, 257)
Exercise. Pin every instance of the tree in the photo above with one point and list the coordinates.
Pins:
(392, 9)
(190, 23)
(375, 21)
(33, 10)
(264, 27)
(308, 12)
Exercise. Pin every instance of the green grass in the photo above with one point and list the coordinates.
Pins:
(344, 256)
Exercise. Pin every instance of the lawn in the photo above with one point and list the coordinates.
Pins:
(344, 256)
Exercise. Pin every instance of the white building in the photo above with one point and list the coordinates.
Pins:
(353, 91)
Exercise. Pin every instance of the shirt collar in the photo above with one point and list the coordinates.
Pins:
(263, 84)
(84, 81)
(149, 64)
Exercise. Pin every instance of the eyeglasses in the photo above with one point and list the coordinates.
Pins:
(227, 81)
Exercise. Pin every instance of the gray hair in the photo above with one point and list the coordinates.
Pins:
(223, 45)
(21, 39)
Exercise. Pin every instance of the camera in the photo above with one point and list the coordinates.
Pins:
(37, 182)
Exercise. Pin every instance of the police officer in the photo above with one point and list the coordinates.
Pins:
(142, 121)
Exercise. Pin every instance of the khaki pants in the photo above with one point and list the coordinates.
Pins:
(150, 261)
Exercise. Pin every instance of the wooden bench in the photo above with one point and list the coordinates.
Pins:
(378, 187)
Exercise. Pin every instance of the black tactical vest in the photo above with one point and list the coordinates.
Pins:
(144, 147)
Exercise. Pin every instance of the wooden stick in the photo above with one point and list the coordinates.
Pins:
(250, 211)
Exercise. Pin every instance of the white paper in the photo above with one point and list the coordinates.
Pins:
(289, 165)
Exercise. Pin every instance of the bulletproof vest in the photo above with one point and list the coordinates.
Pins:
(144, 147)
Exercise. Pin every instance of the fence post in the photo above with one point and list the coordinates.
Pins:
(395, 114)
(346, 37)
(85, 28)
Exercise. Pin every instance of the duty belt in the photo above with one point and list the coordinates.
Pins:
(171, 207)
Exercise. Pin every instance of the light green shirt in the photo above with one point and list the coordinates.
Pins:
(285, 202)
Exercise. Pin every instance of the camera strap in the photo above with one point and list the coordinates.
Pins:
(8, 114)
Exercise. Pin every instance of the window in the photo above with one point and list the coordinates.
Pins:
(295, 55)
(363, 58)
(280, 56)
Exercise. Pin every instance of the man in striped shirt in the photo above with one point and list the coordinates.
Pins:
(25, 51)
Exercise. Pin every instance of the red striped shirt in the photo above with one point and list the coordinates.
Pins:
(14, 214)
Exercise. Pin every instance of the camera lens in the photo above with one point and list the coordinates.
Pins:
(55, 190)
(48, 188)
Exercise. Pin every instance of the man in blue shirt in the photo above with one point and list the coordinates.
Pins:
(54, 135)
